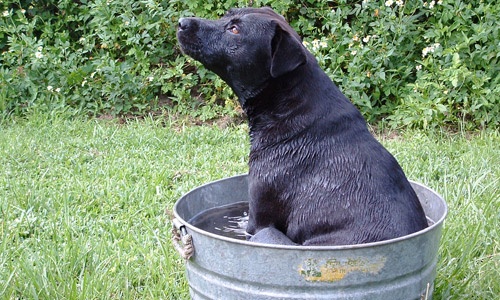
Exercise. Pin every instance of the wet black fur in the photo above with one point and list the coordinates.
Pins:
(316, 173)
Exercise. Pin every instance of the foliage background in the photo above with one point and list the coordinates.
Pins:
(412, 63)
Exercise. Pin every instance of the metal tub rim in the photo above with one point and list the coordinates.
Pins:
(436, 223)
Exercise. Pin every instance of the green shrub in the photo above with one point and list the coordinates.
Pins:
(409, 63)
(94, 56)
(416, 63)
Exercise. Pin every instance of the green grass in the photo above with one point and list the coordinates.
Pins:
(82, 204)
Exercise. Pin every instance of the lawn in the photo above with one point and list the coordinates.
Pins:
(82, 203)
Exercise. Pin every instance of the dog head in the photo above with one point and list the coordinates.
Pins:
(246, 48)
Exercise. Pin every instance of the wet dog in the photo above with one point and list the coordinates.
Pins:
(316, 174)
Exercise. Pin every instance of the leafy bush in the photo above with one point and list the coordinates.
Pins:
(100, 55)
(411, 63)
(417, 63)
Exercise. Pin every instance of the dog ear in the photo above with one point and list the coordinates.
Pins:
(287, 52)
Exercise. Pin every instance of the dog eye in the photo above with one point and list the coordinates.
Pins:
(234, 29)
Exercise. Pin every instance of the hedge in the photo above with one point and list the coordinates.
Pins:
(404, 63)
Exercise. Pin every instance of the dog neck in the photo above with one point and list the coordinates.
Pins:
(279, 110)
(276, 96)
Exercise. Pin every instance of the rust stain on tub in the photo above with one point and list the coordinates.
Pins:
(334, 269)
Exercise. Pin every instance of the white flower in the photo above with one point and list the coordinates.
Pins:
(6, 13)
(399, 2)
(425, 51)
(354, 52)
(84, 82)
(38, 54)
(151, 78)
(419, 67)
(58, 90)
(431, 4)
(50, 88)
(315, 45)
(23, 11)
(430, 49)
(355, 38)
(389, 3)
(323, 44)
(440, 2)
(366, 39)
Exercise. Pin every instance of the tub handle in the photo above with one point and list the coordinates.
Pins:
(183, 241)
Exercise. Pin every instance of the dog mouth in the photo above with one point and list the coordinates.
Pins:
(192, 50)
(189, 41)
(189, 45)
(197, 40)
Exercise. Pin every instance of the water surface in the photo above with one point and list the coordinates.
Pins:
(228, 220)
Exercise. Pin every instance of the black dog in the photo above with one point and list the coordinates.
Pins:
(316, 174)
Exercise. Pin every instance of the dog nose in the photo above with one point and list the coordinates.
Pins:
(185, 23)
(182, 24)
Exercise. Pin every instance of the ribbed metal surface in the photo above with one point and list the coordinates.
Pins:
(225, 268)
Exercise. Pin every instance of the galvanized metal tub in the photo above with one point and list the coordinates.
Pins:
(226, 268)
